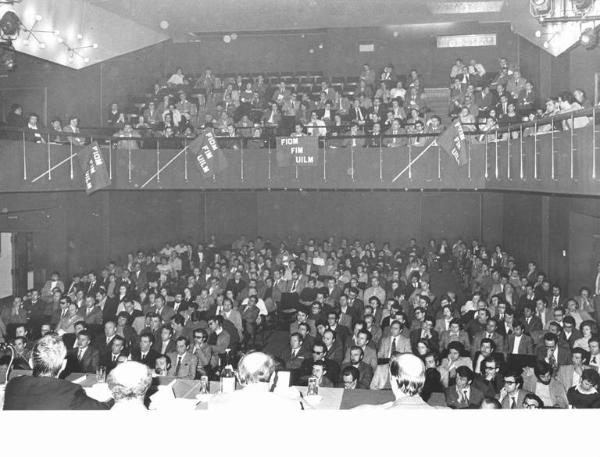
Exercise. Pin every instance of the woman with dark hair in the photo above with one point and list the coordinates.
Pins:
(585, 394)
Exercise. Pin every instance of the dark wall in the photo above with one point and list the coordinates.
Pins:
(74, 232)
(522, 232)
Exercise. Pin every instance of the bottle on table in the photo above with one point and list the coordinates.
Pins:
(227, 379)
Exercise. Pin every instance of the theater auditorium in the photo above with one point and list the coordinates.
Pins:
(287, 206)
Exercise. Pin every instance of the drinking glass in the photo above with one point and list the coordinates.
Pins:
(101, 374)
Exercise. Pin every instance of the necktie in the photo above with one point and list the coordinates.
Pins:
(144, 355)
(393, 345)
(114, 357)
(80, 355)
(594, 361)
(513, 403)
(294, 286)
(465, 399)
(178, 365)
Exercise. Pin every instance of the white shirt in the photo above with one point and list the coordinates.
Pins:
(515, 348)
(576, 378)
(543, 391)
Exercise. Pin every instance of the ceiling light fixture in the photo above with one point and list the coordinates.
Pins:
(540, 7)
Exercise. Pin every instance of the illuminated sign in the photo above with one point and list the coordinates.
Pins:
(466, 41)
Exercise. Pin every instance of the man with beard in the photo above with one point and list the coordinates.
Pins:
(543, 384)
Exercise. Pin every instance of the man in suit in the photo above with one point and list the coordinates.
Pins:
(295, 354)
(233, 316)
(365, 371)
(110, 332)
(541, 382)
(395, 342)
(166, 313)
(341, 332)
(454, 333)
(363, 340)
(490, 381)
(518, 342)
(487, 348)
(464, 395)
(426, 332)
(219, 339)
(542, 313)
(165, 345)
(531, 323)
(138, 278)
(91, 314)
(250, 314)
(512, 394)
(145, 353)
(569, 375)
(183, 363)
(333, 347)
(44, 390)
(92, 285)
(319, 354)
(117, 349)
(86, 358)
(553, 353)
(489, 333)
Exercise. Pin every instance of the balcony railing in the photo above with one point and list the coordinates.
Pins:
(534, 156)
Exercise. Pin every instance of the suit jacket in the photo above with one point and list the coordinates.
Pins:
(565, 375)
(294, 363)
(496, 338)
(150, 360)
(525, 345)
(365, 375)
(336, 352)
(519, 402)
(385, 345)
(171, 347)
(534, 324)
(300, 285)
(44, 393)
(452, 398)
(369, 357)
(88, 363)
(447, 338)
(563, 358)
(93, 318)
(236, 319)
(558, 392)
(250, 313)
(167, 313)
(187, 368)
(415, 336)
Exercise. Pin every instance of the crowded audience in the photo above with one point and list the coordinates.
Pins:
(336, 311)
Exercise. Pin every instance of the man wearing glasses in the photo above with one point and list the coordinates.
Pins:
(532, 401)
(490, 382)
(552, 353)
(512, 394)
(319, 354)
(203, 352)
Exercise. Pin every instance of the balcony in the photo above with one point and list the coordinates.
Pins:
(512, 158)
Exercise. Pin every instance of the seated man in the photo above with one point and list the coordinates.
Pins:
(87, 357)
(44, 390)
(512, 394)
(319, 354)
(364, 370)
(350, 377)
(294, 355)
(144, 353)
(163, 365)
(319, 370)
(184, 363)
(128, 384)
(542, 383)
(256, 372)
(463, 395)
(204, 353)
(490, 382)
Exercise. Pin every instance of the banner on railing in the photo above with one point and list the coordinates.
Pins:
(452, 141)
(301, 151)
(94, 168)
(209, 157)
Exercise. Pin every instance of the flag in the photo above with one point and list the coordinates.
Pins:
(452, 140)
(208, 156)
(94, 168)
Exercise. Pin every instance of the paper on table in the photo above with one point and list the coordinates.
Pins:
(80, 379)
(99, 392)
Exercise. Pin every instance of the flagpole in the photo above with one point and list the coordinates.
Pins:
(54, 167)
(411, 163)
(164, 166)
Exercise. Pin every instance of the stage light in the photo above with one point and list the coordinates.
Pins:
(546, 44)
(38, 18)
(538, 33)
(79, 36)
(589, 38)
(581, 5)
(234, 36)
(320, 45)
(311, 50)
(227, 39)
(164, 25)
(540, 7)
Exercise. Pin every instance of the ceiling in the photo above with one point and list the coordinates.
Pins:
(121, 26)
